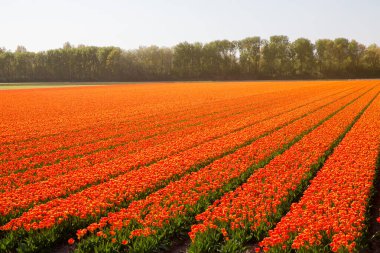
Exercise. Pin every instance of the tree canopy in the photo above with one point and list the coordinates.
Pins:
(247, 59)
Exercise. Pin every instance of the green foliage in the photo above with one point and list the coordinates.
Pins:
(250, 58)
(304, 60)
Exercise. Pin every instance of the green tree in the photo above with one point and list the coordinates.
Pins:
(250, 58)
(155, 62)
(324, 56)
(304, 59)
(220, 59)
(341, 56)
(187, 60)
(277, 57)
(371, 60)
(249, 52)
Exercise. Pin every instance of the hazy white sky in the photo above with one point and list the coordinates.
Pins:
(46, 24)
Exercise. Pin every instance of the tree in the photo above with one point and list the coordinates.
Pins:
(304, 60)
(67, 45)
(21, 49)
(155, 62)
(324, 56)
(220, 60)
(112, 64)
(23, 63)
(187, 60)
(249, 51)
(341, 56)
(372, 60)
(355, 53)
(277, 56)
(249, 58)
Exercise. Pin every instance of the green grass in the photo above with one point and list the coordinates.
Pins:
(18, 86)
(33, 85)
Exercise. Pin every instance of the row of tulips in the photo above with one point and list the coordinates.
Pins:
(146, 223)
(331, 214)
(44, 112)
(130, 134)
(70, 109)
(140, 126)
(15, 201)
(62, 215)
(113, 148)
(252, 209)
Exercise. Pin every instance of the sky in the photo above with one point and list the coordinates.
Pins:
(46, 24)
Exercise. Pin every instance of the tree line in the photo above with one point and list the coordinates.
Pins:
(247, 59)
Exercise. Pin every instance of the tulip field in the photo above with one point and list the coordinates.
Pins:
(190, 167)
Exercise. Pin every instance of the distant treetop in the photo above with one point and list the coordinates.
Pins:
(247, 59)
